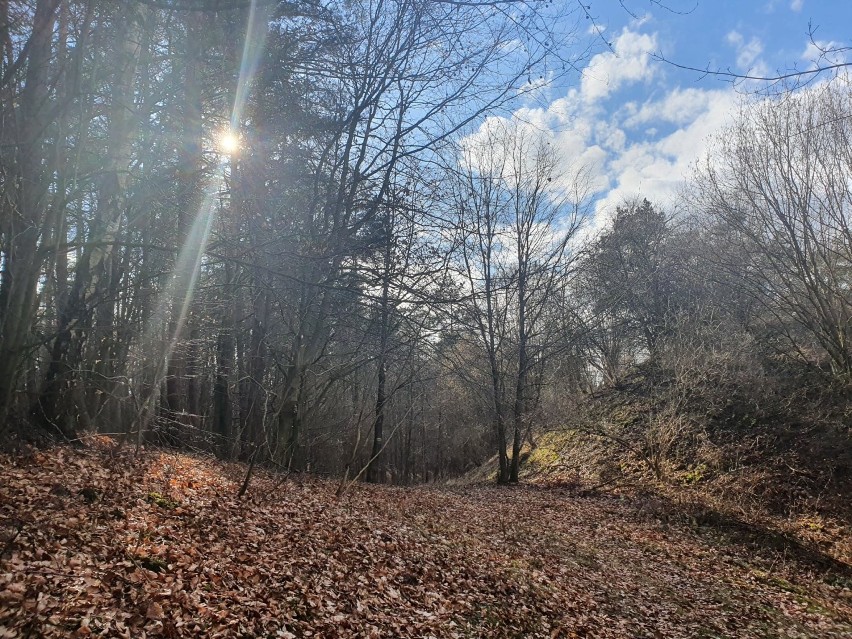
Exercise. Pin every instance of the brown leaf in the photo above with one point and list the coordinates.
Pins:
(155, 612)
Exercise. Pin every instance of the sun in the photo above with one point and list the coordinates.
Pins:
(229, 142)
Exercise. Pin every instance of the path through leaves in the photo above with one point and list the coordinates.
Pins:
(96, 544)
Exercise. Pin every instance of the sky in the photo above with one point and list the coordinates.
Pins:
(637, 125)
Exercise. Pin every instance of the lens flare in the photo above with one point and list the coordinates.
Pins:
(229, 142)
(172, 307)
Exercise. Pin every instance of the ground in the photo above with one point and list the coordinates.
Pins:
(98, 543)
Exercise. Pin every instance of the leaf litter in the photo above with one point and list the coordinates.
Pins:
(104, 544)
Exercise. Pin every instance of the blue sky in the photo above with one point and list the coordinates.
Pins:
(638, 125)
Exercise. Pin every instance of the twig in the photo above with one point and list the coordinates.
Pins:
(344, 485)
(246, 481)
(284, 477)
(12, 539)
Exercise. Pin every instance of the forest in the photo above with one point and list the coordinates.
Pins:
(257, 257)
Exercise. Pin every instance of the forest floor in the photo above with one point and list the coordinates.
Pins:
(100, 544)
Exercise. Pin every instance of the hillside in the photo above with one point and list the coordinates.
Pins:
(95, 544)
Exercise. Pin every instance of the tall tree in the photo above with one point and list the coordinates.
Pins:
(29, 79)
(777, 183)
(628, 283)
(517, 218)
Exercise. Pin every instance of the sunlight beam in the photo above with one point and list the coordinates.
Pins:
(258, 25)
(172, 306)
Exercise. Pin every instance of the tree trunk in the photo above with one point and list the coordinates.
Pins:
(375, 472)
(22, 260)
(93, 275)
(519, 412)
(222, 404)
(221, 393)
(189, 202)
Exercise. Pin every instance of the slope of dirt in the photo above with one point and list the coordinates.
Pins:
(114, 546)
(780, 495)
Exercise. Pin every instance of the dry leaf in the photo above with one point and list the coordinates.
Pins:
(155, 612)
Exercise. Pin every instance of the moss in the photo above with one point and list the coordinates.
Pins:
(544, 457)
(785, 585)
(162, 501)
(813, 523)
(694, 475)
(815, 608)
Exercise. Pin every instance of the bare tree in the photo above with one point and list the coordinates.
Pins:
(777, 184)
(27, 217)
(517, 218)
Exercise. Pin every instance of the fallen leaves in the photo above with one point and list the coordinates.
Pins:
(166, 550)
(155, 612)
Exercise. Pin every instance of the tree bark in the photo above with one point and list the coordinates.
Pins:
(23, 227)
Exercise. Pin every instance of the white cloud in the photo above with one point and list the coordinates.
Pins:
(824, 52)
(619, 165)
(796, 5)
(747, 52)
(688, 142)
(642, 147)
(640, 21)
(679, 106)
(596, 29)
(628, 62)
(656, 169)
